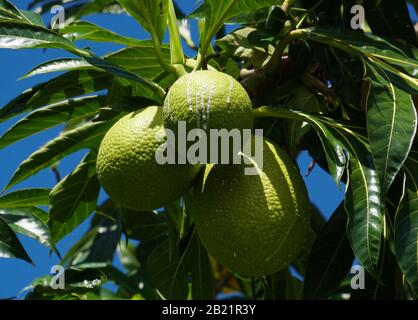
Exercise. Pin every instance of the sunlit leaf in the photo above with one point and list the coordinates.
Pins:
(15, 35)
(25, 197)
(86, 136)
(72, 110)
(391, 124)
(69, 85)
(28, 222)
(151, 14)
(89, 31)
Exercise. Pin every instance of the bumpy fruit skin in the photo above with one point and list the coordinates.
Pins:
(253, 224)
(208, 100)
(126, 165)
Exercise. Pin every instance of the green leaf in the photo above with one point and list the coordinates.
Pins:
(86, 136)
(18, 35)
(86, 240)
(58, 65)
(25, 197)
(240, 8)
(167, 272)
(144, 226)
(244, 44)
(256, 17)
(74, 198)
(98, 6)
(69, 85)
(14, 13)
(10, 246)
(32, 17)
(198, 264)
(9, 7)
(153, 89)
(73, 110)
(398, 64)
(330, 259)
(29, 222)
(388, 20)
(216, 12)
(391, 124)
(406, 225)
(88, 31)
(99, 248)
(364, 206)
(106, 241)
(140, 60)
(151, 14)
(70, 192)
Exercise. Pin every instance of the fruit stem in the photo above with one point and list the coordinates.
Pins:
(268, 112)
(191, 63)
(157, 47)
(176, 50)
(274, 63)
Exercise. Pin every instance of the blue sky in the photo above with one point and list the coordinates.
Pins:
(16, 274)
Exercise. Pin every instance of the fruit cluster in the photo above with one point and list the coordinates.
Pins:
(253, 224)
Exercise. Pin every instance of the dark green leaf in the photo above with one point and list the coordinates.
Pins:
(100, 248)
(391, 125)
(167, 272)
(406, 224)
(388, 20)
(230, 8)
(74, 198)
(244, 43)
(330, 259)
(198, 264)
(144, 225)
(398, 64)
(10, 246)
(364, 206)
